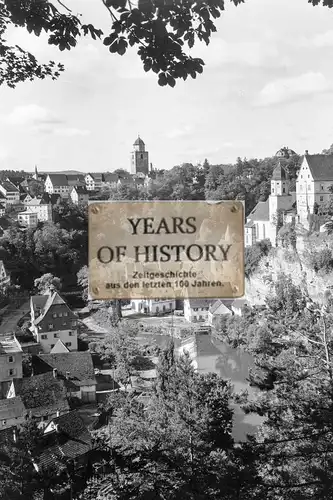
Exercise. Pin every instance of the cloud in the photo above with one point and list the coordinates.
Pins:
(254, 54)
(319, 41)
(32, 114)
(179, 132)
(294, 88)
(71, 132)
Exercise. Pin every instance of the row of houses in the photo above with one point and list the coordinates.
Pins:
(205, 311)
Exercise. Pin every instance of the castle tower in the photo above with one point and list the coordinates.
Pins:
(139, 158)
(280, 197)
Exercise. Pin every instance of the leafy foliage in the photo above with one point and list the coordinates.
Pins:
(254, 254)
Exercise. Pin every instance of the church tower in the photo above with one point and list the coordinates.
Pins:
(139, 158)
(280, 197)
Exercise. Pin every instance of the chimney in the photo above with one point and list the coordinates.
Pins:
(55, 372)
(67, 375)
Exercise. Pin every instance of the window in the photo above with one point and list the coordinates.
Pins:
(200, 317)
(11, 359)
(43, 337)
(195, 309)
(4, 422)
(73, 323)
(54, 315)
(11, 372)
(64, 323)
(321, 198)
(322, 187)
(55, 335)
(50, 326)
(68, 344)
(60, 315)
(141, 157)
(70, 334)
(301, 176)
(272, 190)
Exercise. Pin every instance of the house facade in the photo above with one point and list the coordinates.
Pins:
(79, 195)
(40, 207)
(12, 413)
(216, 311)
(93, 181)
(57, 184)
(10, 361)
(153, 306)
(313, 184)
(52, 319)
(196, 310)
(11, 192)
(27, 219)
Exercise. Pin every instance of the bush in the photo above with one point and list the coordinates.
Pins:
(321, 260)
(254, 254)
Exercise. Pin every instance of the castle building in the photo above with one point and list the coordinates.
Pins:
(314, 180)
(139, 158)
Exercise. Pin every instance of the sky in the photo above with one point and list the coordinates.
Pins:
(267, 83)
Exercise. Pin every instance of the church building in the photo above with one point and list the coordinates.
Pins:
(139, 158)
(261, 223)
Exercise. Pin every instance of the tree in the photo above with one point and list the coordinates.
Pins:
(83, 282)
(161, 31)
(178, 445)
(47, 282)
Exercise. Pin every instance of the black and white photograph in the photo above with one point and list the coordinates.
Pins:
(166, 250)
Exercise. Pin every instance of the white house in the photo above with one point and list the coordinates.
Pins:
(40, 207)
(27, 219)
(314, 180)
(57, 184)
(216, 311)
(93, 181)
(79, 195)
(52, 319)
(196, 310)
(11, 192)
(153, 306)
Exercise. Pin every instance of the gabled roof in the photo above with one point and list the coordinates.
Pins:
(58, 179)
(219, 308)
(38, 301)
(59, 348)
(97, 176)
(80, 190)
(42, 394)
(280, 173)
(321, 166)
(79, 365)
(52, 300)
(11, 408)
(36, 201)
(111, 177)
(260, 212)
(9, 344)
(65, 437)
(199, 303)
(9, 186)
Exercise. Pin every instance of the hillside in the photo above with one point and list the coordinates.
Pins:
(310, 266)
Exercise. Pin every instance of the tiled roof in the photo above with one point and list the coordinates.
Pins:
(11, 408)
(199, 303)
(52, 300)
(321, 167)
(67, 436)
(279, 173)
(110, 177)
(9, 344)
(38, 301)
(260, 212)
(79, 365)
(42, 393)
(97, 176)
(58, 179)
(9, 186)
(81, 189)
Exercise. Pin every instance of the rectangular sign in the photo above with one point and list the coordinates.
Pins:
(166, 249)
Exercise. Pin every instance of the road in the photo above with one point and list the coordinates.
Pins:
(12, 317)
